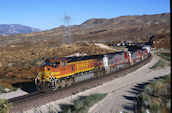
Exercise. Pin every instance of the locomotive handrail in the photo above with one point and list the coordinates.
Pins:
(36, 79)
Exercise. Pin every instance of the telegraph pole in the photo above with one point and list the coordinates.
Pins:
(67, 38)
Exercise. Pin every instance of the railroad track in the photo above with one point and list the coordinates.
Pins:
(23, 97)
(35, 99)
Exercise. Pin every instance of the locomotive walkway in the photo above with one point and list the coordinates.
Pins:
(121, 91)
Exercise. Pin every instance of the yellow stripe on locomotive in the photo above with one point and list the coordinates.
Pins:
(68, 69)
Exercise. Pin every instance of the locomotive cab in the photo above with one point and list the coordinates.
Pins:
(47, 68)
(49, 73)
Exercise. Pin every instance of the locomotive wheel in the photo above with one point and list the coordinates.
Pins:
(98, 73)
(95, 74)
(45, 88)
(56, 86)
(69, 82)
(102, 73)
(38, 88)
(62, 83)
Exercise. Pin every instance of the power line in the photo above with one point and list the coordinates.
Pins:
(67, 38)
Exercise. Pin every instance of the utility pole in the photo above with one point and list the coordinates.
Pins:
(67, 38)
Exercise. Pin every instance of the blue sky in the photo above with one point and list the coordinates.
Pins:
(48, 14)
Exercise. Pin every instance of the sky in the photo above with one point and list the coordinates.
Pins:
(48, 14)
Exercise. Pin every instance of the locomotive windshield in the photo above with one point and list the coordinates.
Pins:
(52, 63)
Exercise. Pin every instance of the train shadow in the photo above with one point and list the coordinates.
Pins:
(28, 87)
(132, 99)
(130, 106)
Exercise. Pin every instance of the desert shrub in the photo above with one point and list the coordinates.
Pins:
(168, 104)
(163, 92)
(159, 64)
(148, 89)
(155, 108)
(155, 96)
(2, 89)
(143, 109)
(144, 96)
(5, 106)
(50, 110)
(83, 104)
(78, 104)
(166, 56)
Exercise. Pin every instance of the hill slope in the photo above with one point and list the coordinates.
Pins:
(12, 29)
(134, 28)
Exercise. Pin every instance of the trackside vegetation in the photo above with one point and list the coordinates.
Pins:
(159, 64)
(3, 89)
(5, 106)
(155, 96)
(82, 104)
(166, 56)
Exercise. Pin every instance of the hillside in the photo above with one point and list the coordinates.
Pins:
(13, 29)
(134, 28)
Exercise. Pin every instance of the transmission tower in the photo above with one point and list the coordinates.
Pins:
(67, 38)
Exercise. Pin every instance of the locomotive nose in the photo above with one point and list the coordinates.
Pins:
(44, 74)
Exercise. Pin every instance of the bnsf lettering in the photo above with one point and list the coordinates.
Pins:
(82, 66)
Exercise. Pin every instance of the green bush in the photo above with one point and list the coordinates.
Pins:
(67, 109)
(166, 56)
(143, 110)
(83, 104)
(168, 104)
(144, 96)
(155, 96)
(160, 63)
(155, 107)
(163, 91)
(148, 89)
(2, 89)
(5, 106)
(78, 104)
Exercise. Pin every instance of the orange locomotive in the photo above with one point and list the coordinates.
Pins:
(61, 72)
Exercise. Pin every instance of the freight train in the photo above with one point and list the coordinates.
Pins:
(62, 72)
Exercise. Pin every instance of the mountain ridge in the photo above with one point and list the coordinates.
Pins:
(135, 28)
(12, 29)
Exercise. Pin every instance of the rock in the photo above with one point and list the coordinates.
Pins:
(10, 64)
(7, 90)
(39, 62)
